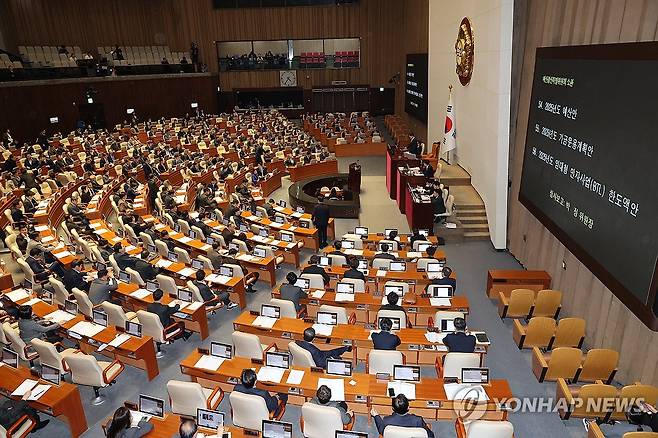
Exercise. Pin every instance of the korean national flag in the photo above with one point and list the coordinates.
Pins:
(450, 136)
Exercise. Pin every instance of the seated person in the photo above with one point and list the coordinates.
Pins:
(209, 296)
(145, 269)
(291, 292)
(323, 398)
(416, 236)
(385, 340)
(384, 254)
(123, 259)
(393, 235)
(189, 429)
(400, 417)
(35, 262)
(459, 341)
(337, 249)
(29, 328)
(248, 386)
(392, 303)
(74, 277)
(320, 356)
(165, 312)
(120, 426)
(250, 278)
(12, 410)
(314, 268)
(101, 287)
(353, 272)
(445, 281)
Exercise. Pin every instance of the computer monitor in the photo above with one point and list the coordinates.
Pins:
(192, 234)
(361, 231)
(479, 376)
(9, 357)
(151, 285)
(304, 224)
(387, 231)
(219, 349)
(260, 252)
(262, 232)
(424, 232)
(398, 266)
(185, 295)
(339, 367)
(278, 360)
(172, 256)
(304, 283)
(388, 288)
(422, 247)
(347, 244)
(345, 288)
(151, 248)
(213, 216)
(409, 373)
(434, 267)
(234, 246)
(226, 271)
(124, 276)
(363, 264)
(71, 307)
(177, 228)
(327, 318)
(47, 296)
(447, 325)
(282, 203)
(210, 240)
(134, 329)
(209, 419)
(325, 261)
(276, 429)
(243, 228)
(350, 434)
(259, 214)
(197, 264)
(50, 374)
(279, 219)
(27, 284)
(151, 405)
(300, 210)
(99, 317)
(100, 266)
(441, 291)
(270, 311)
(395, 321)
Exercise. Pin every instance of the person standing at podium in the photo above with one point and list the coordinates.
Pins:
(320, 219)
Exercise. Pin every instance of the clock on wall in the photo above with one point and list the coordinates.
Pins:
(464, 51)
(288, 78)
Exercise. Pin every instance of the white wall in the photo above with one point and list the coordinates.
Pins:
(482, 107)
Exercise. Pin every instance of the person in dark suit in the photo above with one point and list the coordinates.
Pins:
(120, 426)
(123, 259)
(36, 264)
(145, 269)
(320, 356)
(29, 328)
(314, 268)
(400, 417)
(291, 292)
(320, 219)
(414, 145)
(164, 312)
(459, 341)
(337, 249)
(392, 303)
(209, 296)
(74, 277)
(353, 272)
(385, 340)
(247, 386)
(384, 254)
(101, 287)
(416, 237)
(428, 170)
(323, 398)
(445, 281)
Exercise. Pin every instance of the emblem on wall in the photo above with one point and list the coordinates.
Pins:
(464, 51)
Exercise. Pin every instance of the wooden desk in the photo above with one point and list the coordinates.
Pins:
(360, 149)
(403, 179)
(507, 280)
(404, 239)
(61, 401)
(309, 236)
(298, 173)
(420, 215)
(270, 184)
(168, 426)
(290, 213)
(393, 161)
(401, 255)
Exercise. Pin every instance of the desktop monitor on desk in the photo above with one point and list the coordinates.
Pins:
(276, 429)
(262, 232)
(394, 320)
(185, 295)
(197, 264)
(260, 252)
(151, 285)
(282, 203)
(387, 231)
(99, 317)
(339, 367)
(277, 360)
(226, 271)
(270, 311)
(234, 246)
(151, 248)
(475, 376)
(151, 406)
(50, 374)
(304, 283)
(325, 261)
(209, 419)
(134, 329)
(304, 224)
(408, 373)
(440, 291)
(422, 247)
(447, 325)
(192, 234)
(71, 307)
(350, 434)
(327, 318)
(219, 349)
(434, 267)
(388, 288)
(210, 241)
(286, 237)
(344, 288)
(398, 266)
(279, 219)
(424, 232)
(347, 244)
(363, 265)
(9, 357)
(172, 256)
(361, 231)
(124, 277)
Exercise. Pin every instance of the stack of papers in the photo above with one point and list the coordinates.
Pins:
(88, 329)
(163, 263)
(323, 329)
(59, 316)
(187, 272)
(120, 339)
(32, 302)
(275, 242)
(205, 247)
(344, 297)
(381, 273)
(24, 387)
(440, 302)
(130, 247)
(350, 251)
(461, 391)
(41, 228)
(295, 377)
(270, 374)
(38, 391)
(184, 239)
(17, 295)
(195, 305)
(317, 294)
(62, 254)
(337, 387)
(264, 321)
(140, 294)
(47, 239)
(211, 363)
(408, 389)
(435, 338)
(221, 279)
(101, 230)
(414, 254)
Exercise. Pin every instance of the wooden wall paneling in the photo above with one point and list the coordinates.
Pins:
(649, 25)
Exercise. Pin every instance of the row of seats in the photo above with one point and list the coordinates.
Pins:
(144, 55)
(526, 303)
(49, 56)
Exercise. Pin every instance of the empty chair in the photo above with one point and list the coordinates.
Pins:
(484, 429)
(518, 304)
(404, 432)
(161, 248)
(115, 314)
(84, 304)
(207, 263)
(146, 239)
(186, 397)
(423, 262)
(341, 312)
(316, 280)
(599, 364)
(248, 345)
(135, 277)
(538, 333)
(452, 364)
(17, 344)
(587, 401)
(393, 314)
(547, 303)
(286, 307)
(151, 326)
(48, 354)
(86, 370)
(199, 232)
(319, 421)
(382, 361)
(167, 284)
(301, 357)
(270, 254)
(420, 242)
(570, 332)
(629, 394)
(249, 410)
(562, 362)
(359, 285)
(184, 226)
(60, 292)
(378, 263)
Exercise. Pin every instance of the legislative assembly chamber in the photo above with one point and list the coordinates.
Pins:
(328, 218)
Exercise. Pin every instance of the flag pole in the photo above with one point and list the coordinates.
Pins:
(449, 94)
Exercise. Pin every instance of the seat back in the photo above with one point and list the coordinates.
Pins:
(317, 282)
(381, 263)
(248, 410)
(15, 341)
(61, 294)
(85, 369)
(440, 315)
(340, 311)
(321, 421)
(547, 303)
(184, 226)
(454, 362)
(423, 262)
(421, 242)
(115, 314)
(594, 398)
(237, 270)
(146, 239)
(564, 362)
(490, 429)
(151, 325)
(185, 397)
(300, 356)
(382, 361)
(393, 245)
(404, 284)
(167, 284)
(520, 302)
(359, 285)
(337, 259)
(539, 332)
(287, 307)
(29, 274)
(599, 364)
(247, 345)
(183, 256)
(394, 314)
(569, 332)
(135, 277)
(114, 264)
(161, 248)
(48, 354)
(196, 293)
(404, 432)
(84, 304)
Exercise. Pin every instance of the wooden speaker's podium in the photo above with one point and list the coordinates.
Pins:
(354, 178)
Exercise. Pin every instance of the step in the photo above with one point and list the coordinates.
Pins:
(470, 207)
(452, 181)
(472, 219)
(475, 227)
(476, 236)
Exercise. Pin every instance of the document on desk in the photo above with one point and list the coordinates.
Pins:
(245, 257)
(32, 302)
(62, 254)
(211, 363)
(187, 272)
(38, 391)
(119, 340)
(337, 387)
(295, 377)
(41, 228)
(317, 294)
(17, 295)
(140, 294)
(264, 321)
(101, 231)
(434, 275)
(163, 263)
(323, 329)
(408, 389)
(88, 329)
(356, 252)
(24, 387)
(47, 239)
(381, 273)
(195, 305)
(440, 302)
(414, 254)
(130, 248)
(270, 374)
(297, 214)
(259, 239)
(159, 227)
(221, 279)
(434, 337)
(205, 247)
(292, 228)
(59, 316)
(344, 297)
(181, 304)
(184, 239)
(460, 391)
(275, 242)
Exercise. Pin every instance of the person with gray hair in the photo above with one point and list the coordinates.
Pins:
(323, 398)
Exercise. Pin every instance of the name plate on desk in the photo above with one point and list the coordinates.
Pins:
(463, 310)
(361, 307)
(433, 404)
(309, 320)
(314, 302)
(317, 370)
(414, 347)
(412, 309)
(286, 335)
(256, 361)
(347, 342)
(360, 398)
(232, 380)
(295, 390)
